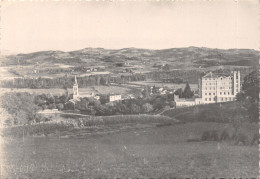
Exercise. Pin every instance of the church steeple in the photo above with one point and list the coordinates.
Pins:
(75, 89)
(75, 81)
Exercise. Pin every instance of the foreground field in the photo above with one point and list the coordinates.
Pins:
(137, 152)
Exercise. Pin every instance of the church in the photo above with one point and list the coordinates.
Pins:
(77, 94)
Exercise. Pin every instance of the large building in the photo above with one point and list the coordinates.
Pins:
(219, 87)
(214, 88)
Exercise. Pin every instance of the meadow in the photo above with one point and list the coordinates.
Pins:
(147, 152)
(194, 87)
(58, 91)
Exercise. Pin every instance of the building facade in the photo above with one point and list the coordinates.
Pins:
(115, 97)
(216, 88)
(213, 88)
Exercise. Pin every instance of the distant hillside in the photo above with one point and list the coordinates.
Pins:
(179, 57)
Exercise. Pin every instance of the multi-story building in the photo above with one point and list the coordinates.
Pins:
(214, 88)
(218, 87)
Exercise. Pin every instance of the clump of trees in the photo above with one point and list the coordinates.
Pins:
(128, 106)
(187, 93)
(248, 97)
(18, 109)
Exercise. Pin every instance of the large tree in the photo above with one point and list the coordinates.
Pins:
(248, 97)
(187, 91)
(20, 106)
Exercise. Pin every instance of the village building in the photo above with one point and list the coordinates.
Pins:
(214, 88)
(115, 97)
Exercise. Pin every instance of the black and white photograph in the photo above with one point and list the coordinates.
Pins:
(140, 89)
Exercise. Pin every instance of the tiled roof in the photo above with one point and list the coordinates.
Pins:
(216, 75)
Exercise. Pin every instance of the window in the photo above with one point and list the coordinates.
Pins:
(225, 99)
(224, 93)
(220, 93)
(213, 93)
(209, 99)
(210, 88)
(228, 93)
(221, 99)
(209, 93)
(205, 93)
(205, 99)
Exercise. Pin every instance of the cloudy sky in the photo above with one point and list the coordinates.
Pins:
(34, 26)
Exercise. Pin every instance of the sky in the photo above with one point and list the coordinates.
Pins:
(68, 25)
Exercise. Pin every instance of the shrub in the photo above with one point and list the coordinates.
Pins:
(211, 135)
(214, 135)
(240, 138)
(255, 139)
(205, 136)
(225, 135)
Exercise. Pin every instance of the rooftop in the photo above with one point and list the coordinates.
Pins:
(216, 75)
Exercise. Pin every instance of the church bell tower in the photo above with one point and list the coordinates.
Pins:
(75, 89)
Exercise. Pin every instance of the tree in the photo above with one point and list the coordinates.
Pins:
(187, 91)
(248, 98)
(20, 106)
(147, 107)
(179, 92)
(250, 86)
(145, 92)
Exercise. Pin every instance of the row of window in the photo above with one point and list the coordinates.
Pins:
(222, 99)
(215, 88)
(228, 93)
(215, 78)
(219, 83)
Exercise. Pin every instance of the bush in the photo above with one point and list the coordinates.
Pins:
(211, 135)
(255, 139)
(205, 136)
(240, 138)
(225, 135)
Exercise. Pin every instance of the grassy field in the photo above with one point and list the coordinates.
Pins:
(194, 87)
(217, 112)
(138, 152)
(53, 91)
(57, 91)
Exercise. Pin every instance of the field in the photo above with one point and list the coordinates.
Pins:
(194, 87)
(53, 91)
(136, 152)
(57, 91)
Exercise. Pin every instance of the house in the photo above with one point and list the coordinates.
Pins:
(184, 102)
(115, 97)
